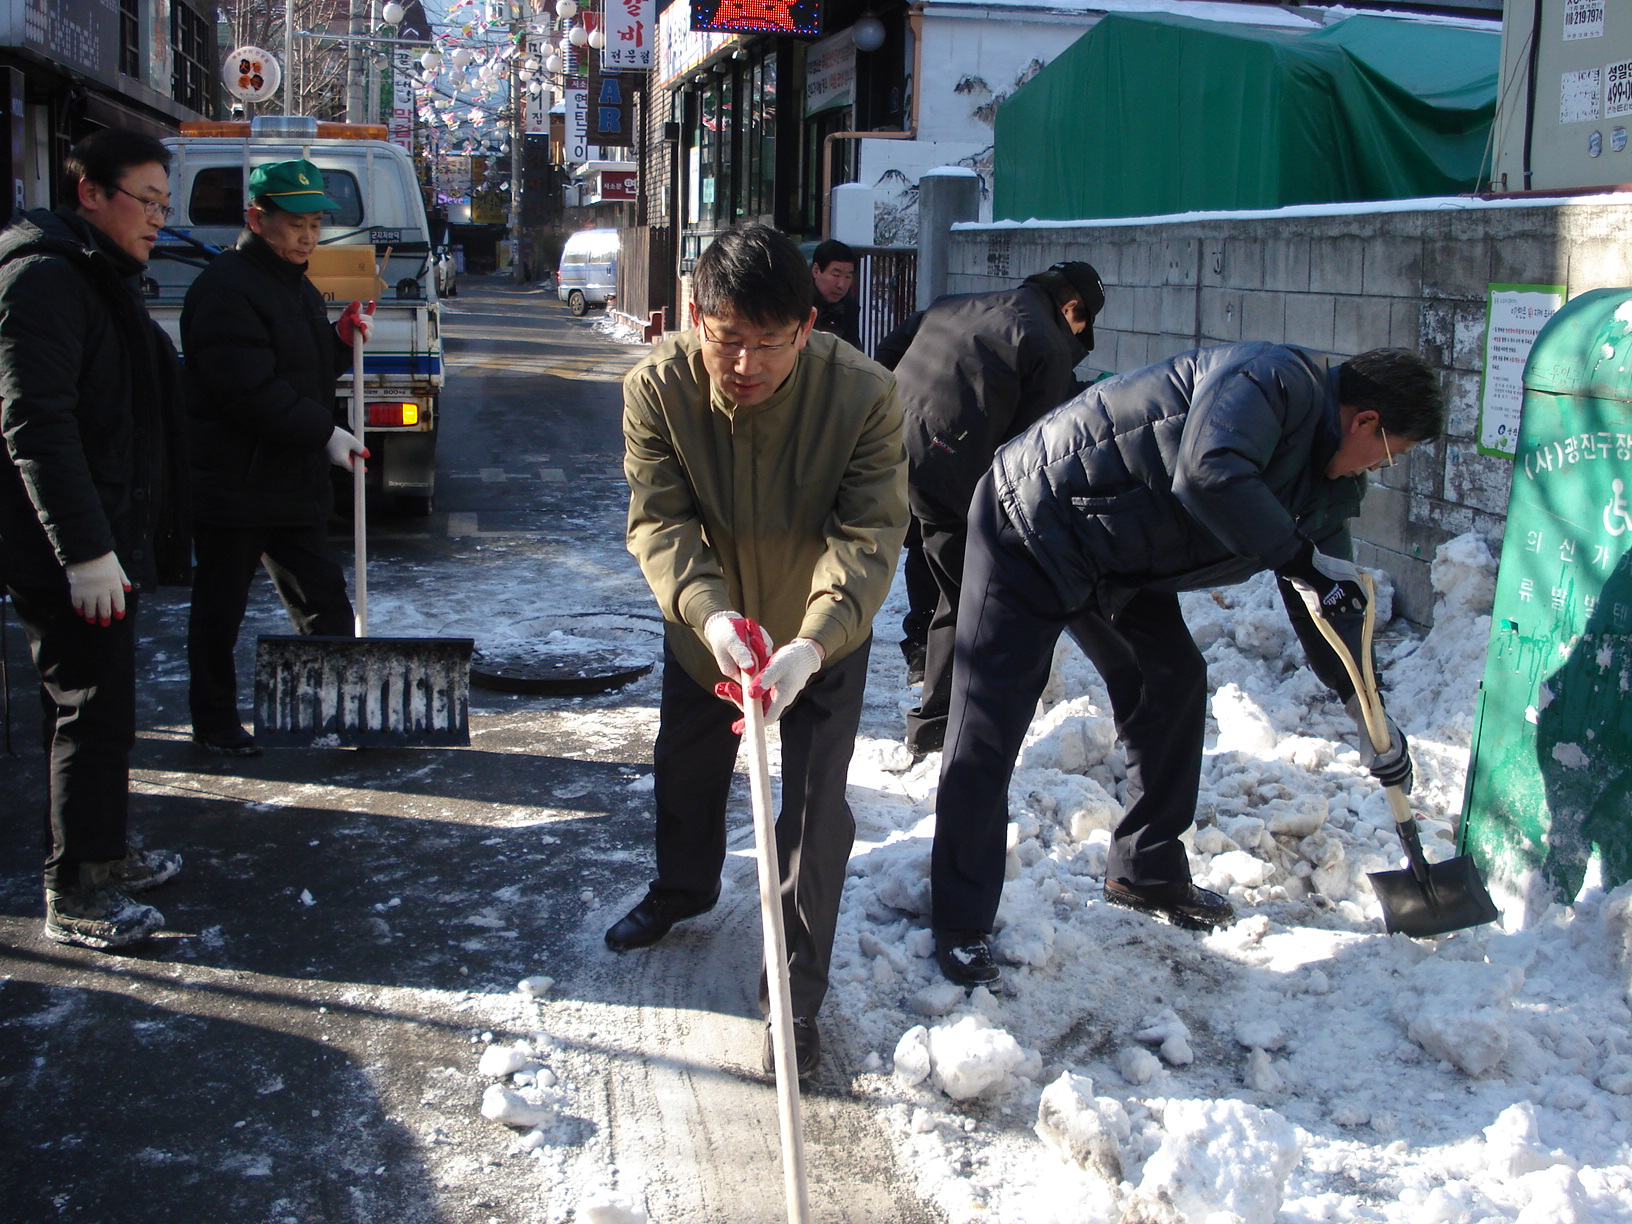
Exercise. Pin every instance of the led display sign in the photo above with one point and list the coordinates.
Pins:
(757, 16)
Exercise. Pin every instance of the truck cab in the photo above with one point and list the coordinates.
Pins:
(380, 230)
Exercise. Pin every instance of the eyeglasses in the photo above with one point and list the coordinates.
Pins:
(155, 210)
(735, 351)
(1386, 451)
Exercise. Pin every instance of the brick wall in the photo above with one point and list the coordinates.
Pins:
(1415, 277)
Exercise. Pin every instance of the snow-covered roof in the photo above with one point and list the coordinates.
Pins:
(1206, 10)
(1348, 209)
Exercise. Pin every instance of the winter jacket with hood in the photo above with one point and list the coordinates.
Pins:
(261, 363)
(94, 435)
(1198, 471)
(791, 511)
(980, 369)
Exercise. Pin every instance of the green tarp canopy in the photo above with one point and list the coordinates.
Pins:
(1146, 115)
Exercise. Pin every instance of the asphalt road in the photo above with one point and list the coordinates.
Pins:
(302, 1043)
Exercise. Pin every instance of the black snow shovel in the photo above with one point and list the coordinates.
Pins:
(1427, 898)
(313, 691)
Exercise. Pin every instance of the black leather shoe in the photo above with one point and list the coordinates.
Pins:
(233, 743)
(966, 957)
(915, 655)
(807, 1048)
(649, 921)
(1184, 905)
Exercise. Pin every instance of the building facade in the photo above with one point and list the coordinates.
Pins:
(69, 67)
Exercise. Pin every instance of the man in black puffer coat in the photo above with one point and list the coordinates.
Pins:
(980, 368)
(262, 360)
(91, 477)
(1196, 472)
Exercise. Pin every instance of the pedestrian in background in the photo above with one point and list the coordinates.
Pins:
(767, 489)
(91, 514)
(833, 273)
(1196, 472)
(980, 368)
(262, 360)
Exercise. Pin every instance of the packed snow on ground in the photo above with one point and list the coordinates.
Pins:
(1299, 1066)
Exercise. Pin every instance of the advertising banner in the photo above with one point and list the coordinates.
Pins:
(611, 108)
(631, 26)
(402, 97)
(577, 135)
(679, 47)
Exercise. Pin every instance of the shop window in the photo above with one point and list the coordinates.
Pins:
(193, 48)
(130, 38)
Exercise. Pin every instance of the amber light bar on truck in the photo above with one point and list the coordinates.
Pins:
(319, 131)
(393, 414)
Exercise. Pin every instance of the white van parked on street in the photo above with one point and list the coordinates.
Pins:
(588, 274)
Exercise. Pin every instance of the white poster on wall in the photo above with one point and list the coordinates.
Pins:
(1583, 19)
(1580, 96)
(1513, 319)
(830, 73)
(1618, 88)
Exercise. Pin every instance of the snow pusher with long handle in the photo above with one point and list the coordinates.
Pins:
(1425, 899)
(321, 692)
(776, 960)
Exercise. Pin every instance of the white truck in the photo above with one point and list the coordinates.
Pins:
(380, 225)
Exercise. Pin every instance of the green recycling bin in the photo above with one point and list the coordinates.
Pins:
(1549, 784)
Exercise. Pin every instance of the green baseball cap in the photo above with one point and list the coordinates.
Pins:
(294, 186)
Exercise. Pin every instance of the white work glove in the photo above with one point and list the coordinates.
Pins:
(342, 446)
(740, 646)
(97, 589)
(1391, 768)
(786, 675)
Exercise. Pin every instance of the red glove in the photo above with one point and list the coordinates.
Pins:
(355, 320)
(759, 645)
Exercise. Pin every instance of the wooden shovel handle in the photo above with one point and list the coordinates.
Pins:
(1364, 678)
(776, 963)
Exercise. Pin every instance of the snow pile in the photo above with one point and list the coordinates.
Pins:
(606, 1207)
(525, 1096)
(1300, 1065)
(964, 1058)
(1217, 1159)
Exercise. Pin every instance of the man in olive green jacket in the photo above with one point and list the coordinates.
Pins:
(767, 478)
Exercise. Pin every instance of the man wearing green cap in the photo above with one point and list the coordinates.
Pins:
(262, 359)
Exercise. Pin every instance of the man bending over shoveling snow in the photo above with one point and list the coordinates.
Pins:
(1196, 472)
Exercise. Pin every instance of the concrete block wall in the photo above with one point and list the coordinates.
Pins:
(1414, 277)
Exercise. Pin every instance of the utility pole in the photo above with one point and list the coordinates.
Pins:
(354, 62)
(288, 57)
(518, 43)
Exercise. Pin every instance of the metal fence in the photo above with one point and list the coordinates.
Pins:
(887, 286)
(646, 271)
(886, 281)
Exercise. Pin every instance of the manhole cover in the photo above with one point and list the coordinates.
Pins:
(570, 655)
